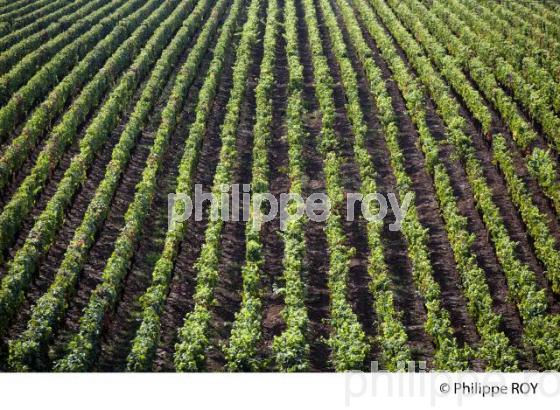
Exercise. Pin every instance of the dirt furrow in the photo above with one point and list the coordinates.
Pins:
(121, 325)
(91, 274)
(441, 254)
(51, 185)
(407, 300)
(316, 261)
(279, 183)
(359, 295)
(232, 255)
(73, 217)
(179, 300)
(544, 204)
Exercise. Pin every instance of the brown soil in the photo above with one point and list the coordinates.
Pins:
(441, 254)
(358, 282)
(50, 263)
(232, 257)
(278, 160)
(407, 300)
(179, 300)
(544, 204)
(121, 325)
(103, 247)
(316, 261)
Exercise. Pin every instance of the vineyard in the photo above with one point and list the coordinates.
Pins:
(109, 106)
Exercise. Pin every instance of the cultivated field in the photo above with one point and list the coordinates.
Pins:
(106, 107)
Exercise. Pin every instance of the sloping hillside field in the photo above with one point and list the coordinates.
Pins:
(279, 185)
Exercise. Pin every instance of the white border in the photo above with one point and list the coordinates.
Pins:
(267, 391)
